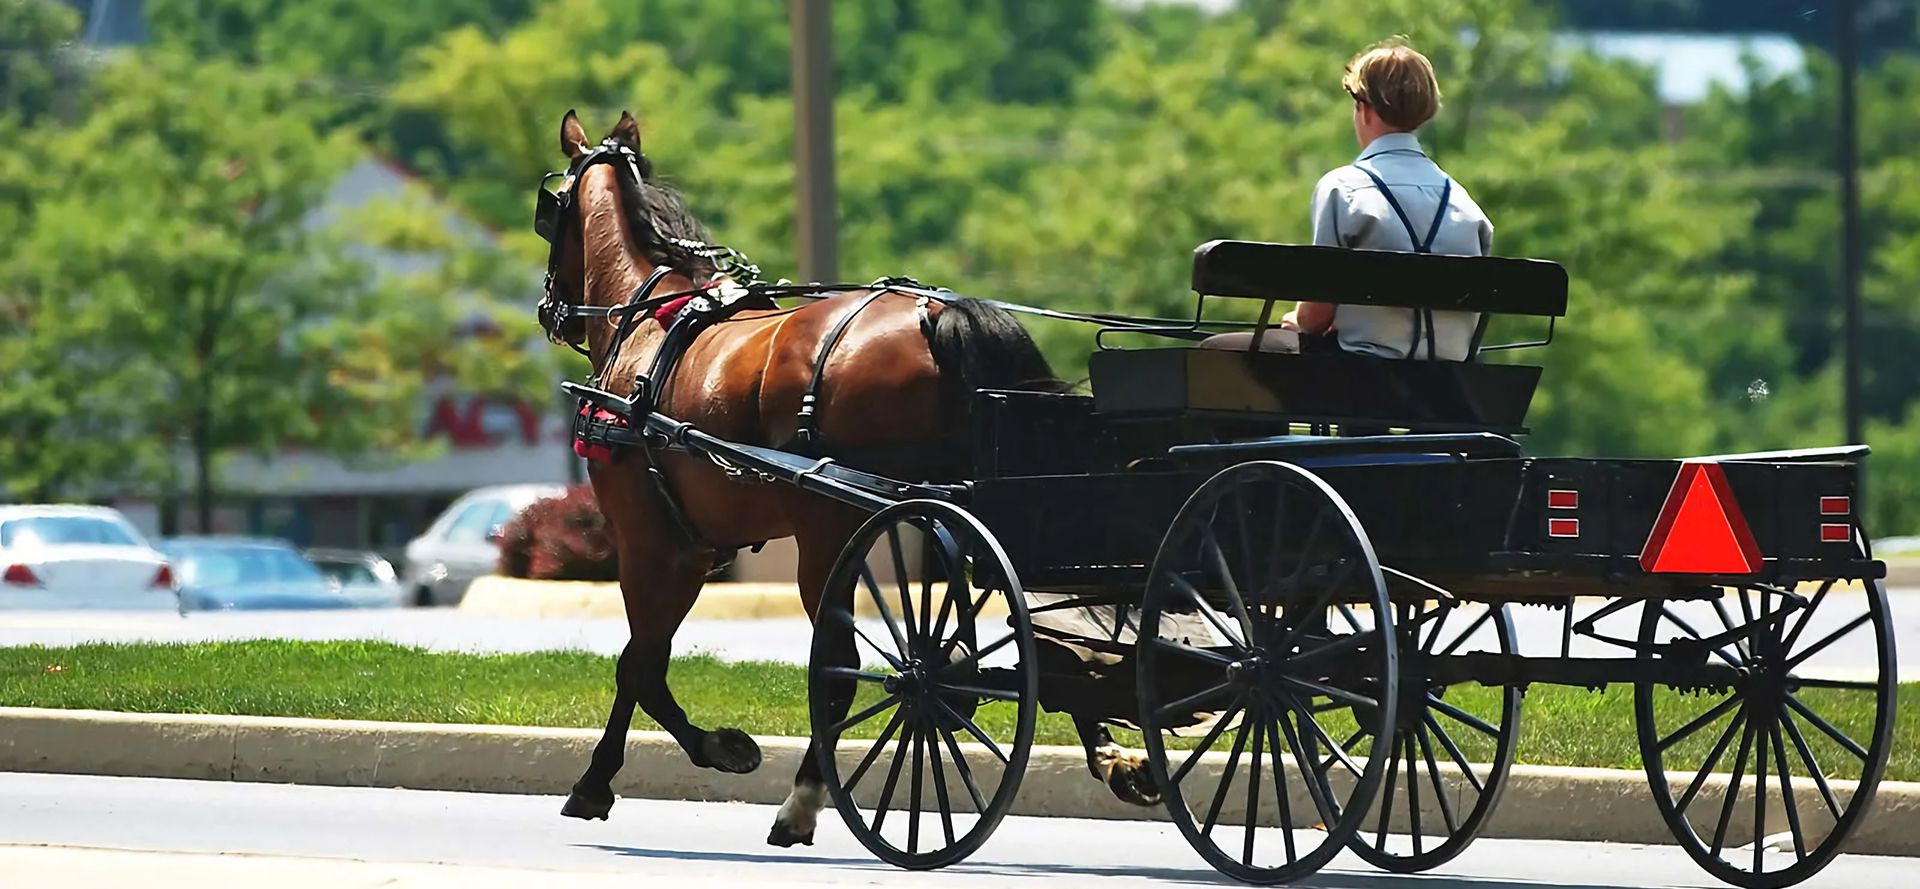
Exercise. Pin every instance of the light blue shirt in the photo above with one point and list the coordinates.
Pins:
(1350, 211)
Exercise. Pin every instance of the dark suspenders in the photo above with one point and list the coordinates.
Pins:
(1422, 317)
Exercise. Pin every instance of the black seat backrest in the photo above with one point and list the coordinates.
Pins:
(1490, 284)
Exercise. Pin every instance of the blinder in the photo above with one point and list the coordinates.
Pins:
(549, 208)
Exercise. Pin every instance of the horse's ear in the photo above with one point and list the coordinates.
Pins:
(573, 137)
(627, 131)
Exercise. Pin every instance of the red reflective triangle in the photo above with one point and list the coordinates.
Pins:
(1701, 529)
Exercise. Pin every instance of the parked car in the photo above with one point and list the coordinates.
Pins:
(463, 543)
(363, 576)
(242, 573)
(79, 557)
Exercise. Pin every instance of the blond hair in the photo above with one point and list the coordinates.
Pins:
(1397, 81)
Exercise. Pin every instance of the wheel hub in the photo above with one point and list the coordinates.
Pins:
(1247, 672)
(911, 682)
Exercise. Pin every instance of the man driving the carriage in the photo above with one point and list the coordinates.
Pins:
(1392, 197)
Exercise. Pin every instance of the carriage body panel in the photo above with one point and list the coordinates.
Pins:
(1496, 528)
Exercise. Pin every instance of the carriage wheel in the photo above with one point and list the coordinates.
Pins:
(942, 684)
(1243, 632)
(1806, 756)
(1450, 753)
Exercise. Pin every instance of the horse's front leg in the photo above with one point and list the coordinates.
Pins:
(592, 795)
(659, 588)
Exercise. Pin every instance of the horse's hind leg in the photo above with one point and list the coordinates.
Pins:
(1123, 771)
(819, 543)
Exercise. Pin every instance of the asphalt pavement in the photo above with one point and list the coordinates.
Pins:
(76, 831)
(788, 640)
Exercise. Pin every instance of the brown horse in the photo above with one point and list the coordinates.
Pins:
(901, 374)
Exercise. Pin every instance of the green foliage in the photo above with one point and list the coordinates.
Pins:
(1068, 154)
(178, 293)
(32, 33)
(358, 44)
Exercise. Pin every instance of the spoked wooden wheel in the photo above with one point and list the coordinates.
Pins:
(942, 683)
(1453, 740)
(1236, 639)
(1807, 728)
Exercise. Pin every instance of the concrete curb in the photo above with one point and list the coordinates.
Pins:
(516, 598)
(1903, 571)
(1540, 802)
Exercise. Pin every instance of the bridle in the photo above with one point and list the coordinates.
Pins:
(553, 217)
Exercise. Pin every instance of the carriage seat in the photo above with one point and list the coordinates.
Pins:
(1340, 389)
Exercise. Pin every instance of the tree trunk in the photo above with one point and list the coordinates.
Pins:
(203, 470)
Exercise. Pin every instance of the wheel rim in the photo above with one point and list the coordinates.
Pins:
(1452, 753)
(944, 665)
(1240, 623)
(1805, 761)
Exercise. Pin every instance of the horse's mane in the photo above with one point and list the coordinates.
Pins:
(656, 215)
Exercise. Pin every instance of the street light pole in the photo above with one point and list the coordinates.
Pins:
(1848, 40)
(815, 213)
(1847, 48)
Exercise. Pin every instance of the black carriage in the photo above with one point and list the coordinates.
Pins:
(1293, 575)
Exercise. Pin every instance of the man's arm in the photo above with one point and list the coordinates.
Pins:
(1329, 204)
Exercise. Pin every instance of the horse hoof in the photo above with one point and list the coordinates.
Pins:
(588, 805)
(731, 750)
(1133, 784)
(785, 838)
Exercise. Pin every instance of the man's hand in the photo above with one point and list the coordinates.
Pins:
(1310, 317)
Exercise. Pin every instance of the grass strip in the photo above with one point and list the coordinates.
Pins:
(381, 681)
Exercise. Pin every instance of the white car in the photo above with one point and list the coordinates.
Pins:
(61, 557)
(463, 543)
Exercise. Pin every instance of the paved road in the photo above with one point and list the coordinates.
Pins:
(788, 640)
(472, 839)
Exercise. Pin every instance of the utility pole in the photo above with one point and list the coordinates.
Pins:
(816, 217)
(1847, 48)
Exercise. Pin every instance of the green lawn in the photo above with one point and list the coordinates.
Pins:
(370, 680)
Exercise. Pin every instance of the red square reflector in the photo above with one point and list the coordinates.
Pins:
(1563, 527)
(1830, 533)
(1836, 505)
(1563, 499)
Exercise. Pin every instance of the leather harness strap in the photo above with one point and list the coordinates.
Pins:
(806, 436)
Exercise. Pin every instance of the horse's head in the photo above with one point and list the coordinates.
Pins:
(558, 220)
(659, 231)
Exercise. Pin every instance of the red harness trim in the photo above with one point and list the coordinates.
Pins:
(598, 453)
(672, 308)
(669, 309)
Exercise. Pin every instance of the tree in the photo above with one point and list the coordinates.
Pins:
(357, 44)
(187, 291)
(32, 35)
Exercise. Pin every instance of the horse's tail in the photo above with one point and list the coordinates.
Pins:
(978, 345)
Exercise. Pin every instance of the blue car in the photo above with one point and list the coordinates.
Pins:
(240, 573)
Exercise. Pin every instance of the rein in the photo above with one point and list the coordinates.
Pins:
(550, 222)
